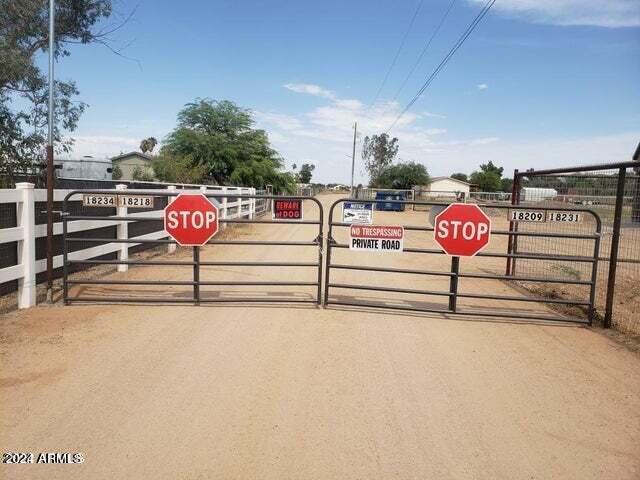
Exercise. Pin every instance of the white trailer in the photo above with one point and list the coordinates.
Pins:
(533, 194)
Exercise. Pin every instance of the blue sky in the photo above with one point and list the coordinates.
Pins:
(540, 83)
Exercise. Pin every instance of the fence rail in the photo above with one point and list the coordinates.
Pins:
(613, 191)
(22, 227)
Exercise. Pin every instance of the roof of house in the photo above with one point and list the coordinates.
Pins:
(132, 154)
(435, 179)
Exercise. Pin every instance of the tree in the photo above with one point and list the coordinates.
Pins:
(23, 85)
(461, 176)
(116, 172)
(306, 172)
(140, 175)
(218, 136)
(491, 168)
(488, 178)
(506, 185)
(403, 176)
(148, 144)
(168, 168)
(486, 181)
(378, 153)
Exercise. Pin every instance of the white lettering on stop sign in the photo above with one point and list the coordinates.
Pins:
(462, 230)
(191, 219)
(194, 219)
(455, 229)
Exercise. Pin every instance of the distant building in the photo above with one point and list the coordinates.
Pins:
(444, 187)
(533, 194)
(128, 163)
(87, 167)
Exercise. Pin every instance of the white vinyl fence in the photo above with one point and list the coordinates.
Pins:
(24, 196)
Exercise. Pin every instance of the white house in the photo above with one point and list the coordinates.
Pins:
(444, 187)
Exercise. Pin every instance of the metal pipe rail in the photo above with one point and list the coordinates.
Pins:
(454, 274)
(196, 264)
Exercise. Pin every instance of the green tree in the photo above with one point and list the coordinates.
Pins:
(378, 153)
(491, 168)
(506, 185)
(488, 178)
(140, 175)
(460, 176)
(148, 144)
(168, 168)
(486, 181)
(116, 172)
(306, 172)
(23, 84)
(402, 176)
(218, 135)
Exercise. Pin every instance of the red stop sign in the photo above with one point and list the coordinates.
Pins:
(462, 229)
(191, 219)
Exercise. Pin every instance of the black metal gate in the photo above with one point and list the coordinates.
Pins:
(458, 277)
(87, 227)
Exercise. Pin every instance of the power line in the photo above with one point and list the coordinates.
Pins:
(445, 60)
(400, 48)
(424, 50)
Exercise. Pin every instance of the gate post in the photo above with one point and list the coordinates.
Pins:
(615, 242)
(453, 283)
(196, 275)
(27, 246)
(171, 248)
(515, 188)
(122, 233)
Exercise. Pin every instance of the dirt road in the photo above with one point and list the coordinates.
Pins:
(182, 392)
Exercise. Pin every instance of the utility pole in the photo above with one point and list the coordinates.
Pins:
(50, 179)
(353, 156)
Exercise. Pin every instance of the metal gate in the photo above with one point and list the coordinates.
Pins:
(112, 231)
(457, 280)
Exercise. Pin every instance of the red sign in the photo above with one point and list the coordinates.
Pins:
(377, 238)
(462, 229)
(286, 209)
(191, 219)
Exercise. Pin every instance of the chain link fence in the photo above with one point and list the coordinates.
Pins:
(613, 192)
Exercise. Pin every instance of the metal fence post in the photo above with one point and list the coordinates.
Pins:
(27, 246)
(171, 248)
(196, 275)
(122, 232)
(514, 190)
(615, 243)
(453, 283)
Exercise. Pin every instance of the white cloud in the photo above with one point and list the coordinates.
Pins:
(283, 122)
(310, 89)
(433, 115)
(482, 86)
(323, 136)
(600, 13)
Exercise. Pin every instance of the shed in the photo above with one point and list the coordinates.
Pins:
(128, 163)
(446, 187)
